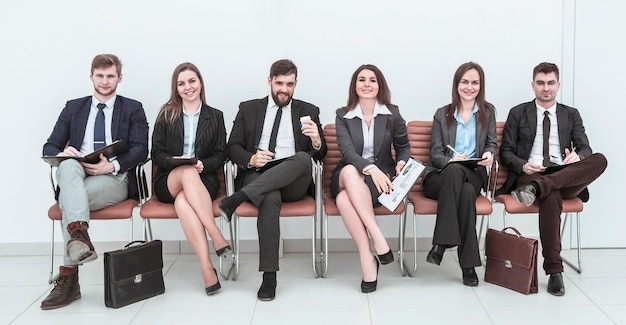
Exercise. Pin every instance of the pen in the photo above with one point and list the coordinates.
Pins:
(451, 148)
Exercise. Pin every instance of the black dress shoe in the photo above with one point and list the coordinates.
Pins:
(555, 285)
(214, 288)
(227, 208)
(267, 291)
(470, 278)
(525, 194)
(367, 287)
(436, 254)
(386, 258)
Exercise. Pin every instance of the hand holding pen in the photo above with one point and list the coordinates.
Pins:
(261, 157)
(570, 156)
(457, 155)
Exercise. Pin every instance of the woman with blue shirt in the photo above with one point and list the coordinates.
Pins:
(366, 129)
(464, 129)
(187, 127)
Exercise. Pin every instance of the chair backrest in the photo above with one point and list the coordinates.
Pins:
(498, 181)
(419, 140)
(333, 155)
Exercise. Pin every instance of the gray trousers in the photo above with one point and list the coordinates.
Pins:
(287, 182)
(81, 193)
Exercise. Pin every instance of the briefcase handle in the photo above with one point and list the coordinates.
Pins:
(133, 243)
(519, 235)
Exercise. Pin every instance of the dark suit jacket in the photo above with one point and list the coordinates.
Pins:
(210, 146)
(443, 135)
(388, 130)
(128, 124)
(519, 135)
(248, 126)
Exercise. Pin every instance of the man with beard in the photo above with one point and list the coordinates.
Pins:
(272, 141)
(85, 125)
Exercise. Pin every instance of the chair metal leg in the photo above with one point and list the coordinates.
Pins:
(324, 245)
(52, 277)
(404, 269)
(147, 230)
(317, 173)
(578, 268)
(316, 271)
(226, 275)
(234, 272)
(132, 228)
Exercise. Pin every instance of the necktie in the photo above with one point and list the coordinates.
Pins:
(546, 139)
(98, 130)
(274, 134)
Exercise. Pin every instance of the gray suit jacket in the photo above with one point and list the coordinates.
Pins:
(388, 130)
(442, 135)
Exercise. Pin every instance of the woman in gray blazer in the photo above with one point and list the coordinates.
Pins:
(366, 129)
(462, 130)
(186, 126)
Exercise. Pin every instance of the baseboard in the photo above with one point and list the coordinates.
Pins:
(183, 247)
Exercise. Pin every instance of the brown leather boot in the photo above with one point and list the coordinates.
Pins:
(79, 247)
(65, 291)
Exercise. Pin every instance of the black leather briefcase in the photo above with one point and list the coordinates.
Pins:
(133, 273)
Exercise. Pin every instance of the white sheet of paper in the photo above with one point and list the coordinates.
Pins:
(402, 184)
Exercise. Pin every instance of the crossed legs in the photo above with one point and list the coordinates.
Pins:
(194, 208)
(355, 206)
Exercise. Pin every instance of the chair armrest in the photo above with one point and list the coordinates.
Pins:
(142, 182)
(495, 168)
(230, 172)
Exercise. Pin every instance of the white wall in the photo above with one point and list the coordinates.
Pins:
(47, 47)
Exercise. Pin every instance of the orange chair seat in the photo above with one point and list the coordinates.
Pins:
(304, 207)
(512, 206)
(155, 209)
(122, 210)
(330, 207)
(424, 205)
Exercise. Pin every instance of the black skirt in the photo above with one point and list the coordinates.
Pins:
(164, 195)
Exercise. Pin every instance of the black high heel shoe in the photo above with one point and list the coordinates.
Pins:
(214, 288)
(436, 254)
(386, 258)
(367, 287)
(224, 250)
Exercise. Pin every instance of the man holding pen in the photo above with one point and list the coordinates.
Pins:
(272, 141)
(547, 153)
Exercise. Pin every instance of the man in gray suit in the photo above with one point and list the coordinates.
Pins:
(272, 142)
(547, 153)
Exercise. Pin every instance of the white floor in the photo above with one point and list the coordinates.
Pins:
(434, 296)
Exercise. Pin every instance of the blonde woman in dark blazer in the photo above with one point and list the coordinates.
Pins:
(466, 128)
(187, 126)
(366, 129)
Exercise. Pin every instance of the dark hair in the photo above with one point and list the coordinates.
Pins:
(283, 68)
(384, 94)
(101, 61)
(546, 67)
(174, 106)
(485, 109)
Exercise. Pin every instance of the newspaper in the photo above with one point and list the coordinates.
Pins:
(402, 184)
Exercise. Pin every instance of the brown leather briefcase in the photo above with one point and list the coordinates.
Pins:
(511, 260)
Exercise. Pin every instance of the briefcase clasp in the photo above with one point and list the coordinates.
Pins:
(507, 264)
(137, 278)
